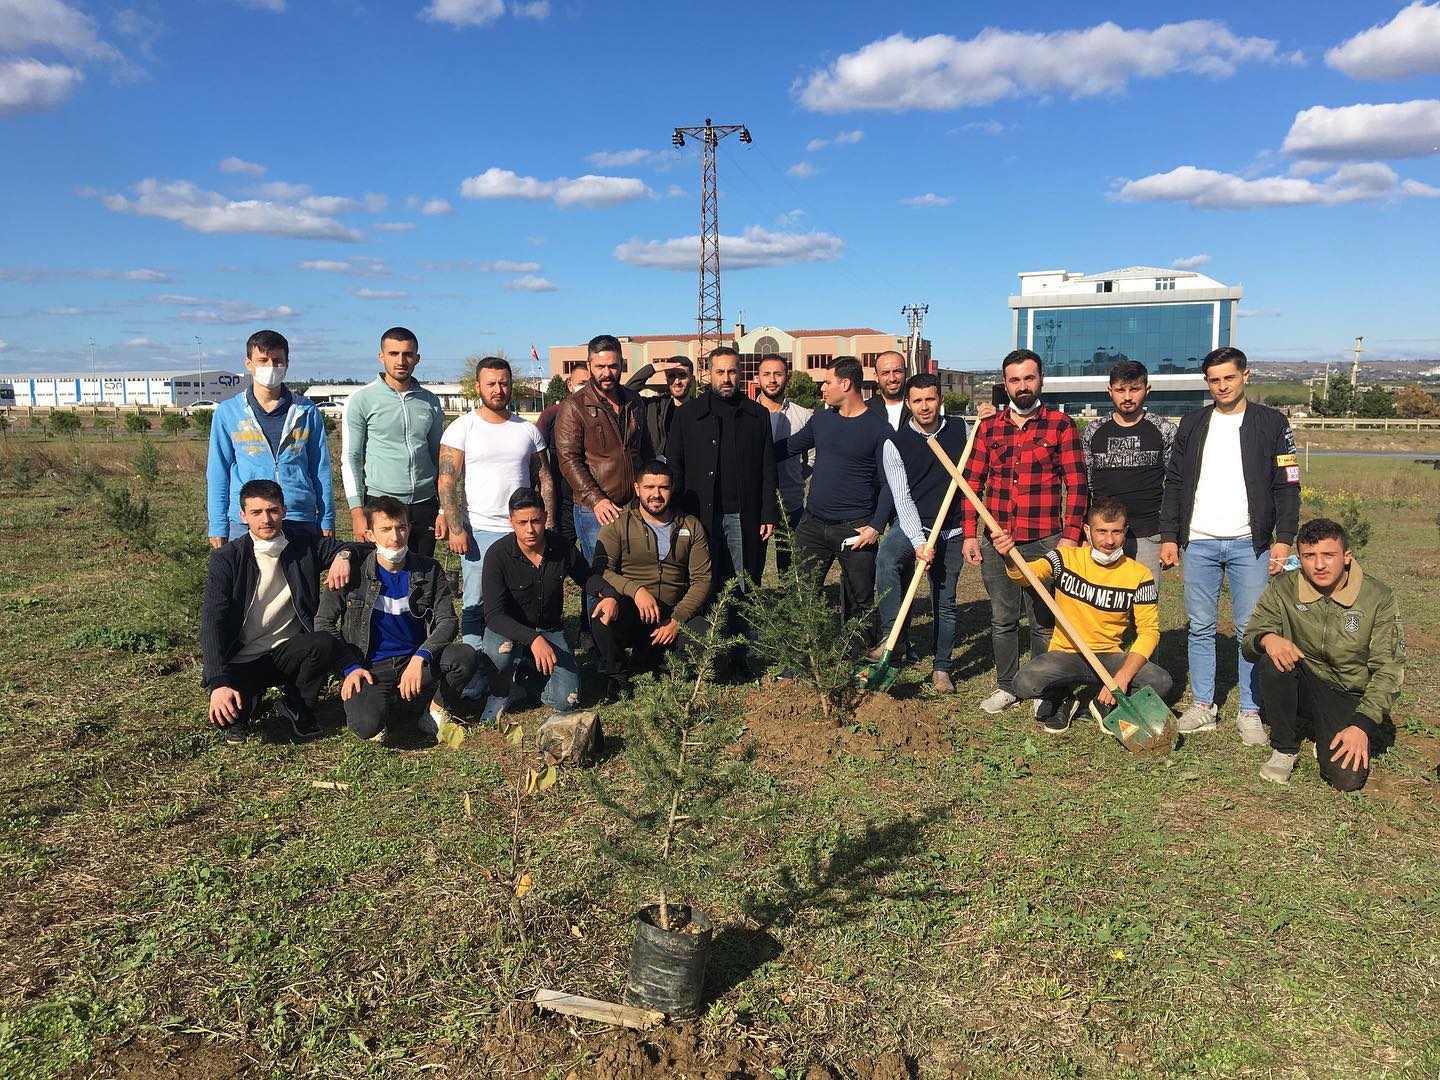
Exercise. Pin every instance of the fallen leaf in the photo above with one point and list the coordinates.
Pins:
(523, 885)
(467, 804)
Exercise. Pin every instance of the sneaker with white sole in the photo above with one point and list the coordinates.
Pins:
(1278, 769)
(1252, 732)
(1055, 720)
(1197, 717)
(998, 702)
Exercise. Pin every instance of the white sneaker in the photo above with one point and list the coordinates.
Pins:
(998, 702)
(1278, 769)
(434, 720)
(1197, 717)
(1252, 732)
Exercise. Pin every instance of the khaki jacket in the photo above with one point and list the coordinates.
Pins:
(1351, 639)
(628, 560)
(596, 460)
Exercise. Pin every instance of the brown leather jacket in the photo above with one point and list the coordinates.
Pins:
(596, 461)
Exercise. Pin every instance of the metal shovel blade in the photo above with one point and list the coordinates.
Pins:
(1141, 721)
(877, 676)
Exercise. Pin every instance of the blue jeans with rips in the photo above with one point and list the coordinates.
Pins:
(559, 690)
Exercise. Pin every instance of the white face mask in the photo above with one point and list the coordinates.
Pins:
(1024, 412)
(393, 556)
(271, 548)
(1107, 560)
(271, 375)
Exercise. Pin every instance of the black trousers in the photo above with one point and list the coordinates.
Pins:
(819, 543)
(1298, 703)
(367, 710)
(422, 525)
(627, 631)
(299, 666)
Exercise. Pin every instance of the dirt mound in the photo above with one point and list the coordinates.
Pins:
(785, 717)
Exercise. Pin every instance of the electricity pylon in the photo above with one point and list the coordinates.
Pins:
(915, 313)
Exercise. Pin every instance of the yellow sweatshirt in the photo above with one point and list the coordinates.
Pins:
(1099, 600)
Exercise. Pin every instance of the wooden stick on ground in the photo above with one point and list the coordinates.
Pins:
(606, 1012)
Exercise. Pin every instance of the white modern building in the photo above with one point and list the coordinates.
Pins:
(1081, 324)
(177, 388)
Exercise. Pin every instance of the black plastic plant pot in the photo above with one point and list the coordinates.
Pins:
(667, 967)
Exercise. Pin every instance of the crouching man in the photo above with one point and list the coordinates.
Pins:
(524, 590)
(1103, 592)
(658, 563)
(1330, 651)
(257, 624)
(394, 624)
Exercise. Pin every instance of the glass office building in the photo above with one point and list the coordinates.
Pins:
(1081, 325)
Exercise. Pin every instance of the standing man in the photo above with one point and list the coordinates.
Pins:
(601, 441)
(661, 409)
(1231, 487)
(562, 514)
(1023, 456)
(843, 518)
(390, 443)
(889, 396)
(786, 418)
(1125, 458)
(723, 458)
(916, 501)
(1331, 654)
(268, 433)
(494, 451)
(257, 625)
(657, 563)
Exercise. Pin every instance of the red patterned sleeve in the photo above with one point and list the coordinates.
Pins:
(1077, 487)
(974, 471)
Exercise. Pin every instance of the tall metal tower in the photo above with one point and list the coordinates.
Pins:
(1355, 364)
(915, 314)
(708, 318)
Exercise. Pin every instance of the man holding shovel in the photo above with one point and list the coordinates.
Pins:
(1103, 593)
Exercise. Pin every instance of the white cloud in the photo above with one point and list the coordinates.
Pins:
(754, 247)
(138, 343)
(225, 312)
(586, 190)
(30, 24)
(31, 274)
(789, 218)
(280, 190)
(530, 283)
(329, 205)
(509, 266)
(1190, 262)
(622, 159)
(1212, 190)
(4, 344)
(942, 72)
(374, 203)
(801, 170)
(928, 199)
(979, 127)
(464, 12)
(841, 139)
(67, 312)
(530, 9)
(210, 212)
(28, 86)
(378, 294)
(235, 166)
(1409, 44)
(355, 266)
(448, 267)
(394, 226)
(1363, 132)
(675, 191)
(437, 208)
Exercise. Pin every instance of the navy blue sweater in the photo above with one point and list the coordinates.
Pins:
(848, 471)
(925, 476)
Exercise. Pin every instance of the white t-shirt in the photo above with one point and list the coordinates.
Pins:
(497, 461)
(1222, 511)
(892, 412)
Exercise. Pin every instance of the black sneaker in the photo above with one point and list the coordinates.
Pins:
(1055, 719)
(615, 689)
(303, 723)
(237, 732)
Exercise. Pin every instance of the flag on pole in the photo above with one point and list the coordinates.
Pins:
(533, 354)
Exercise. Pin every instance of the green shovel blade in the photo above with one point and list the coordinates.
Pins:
(1137, 718)
(876, 676)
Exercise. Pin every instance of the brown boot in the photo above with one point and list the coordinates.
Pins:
(942, 683)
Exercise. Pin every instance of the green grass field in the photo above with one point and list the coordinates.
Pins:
(1016, 905)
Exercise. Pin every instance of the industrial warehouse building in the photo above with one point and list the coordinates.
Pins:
(153, 388)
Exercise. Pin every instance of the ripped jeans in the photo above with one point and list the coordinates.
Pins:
(510, 660)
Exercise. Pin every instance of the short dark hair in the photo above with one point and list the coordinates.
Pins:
(722, 350)
(1226, 354)
(399, 333)
(1019, 356)
(1106, 508)
(526, 498)
(848, 368)
(1128, 370)
(922, 381)
(685, 362)
(268, 341)
(604, 343)
(655, 467)
(492, 363)
(261, 489)
(388, 506)
(773, 356)
(1317, 529)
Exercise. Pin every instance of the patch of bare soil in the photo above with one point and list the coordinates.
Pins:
(176, 1057)
(785, 717)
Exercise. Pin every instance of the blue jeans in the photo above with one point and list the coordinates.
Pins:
(558, 690)
(472, 609)
(727, 558)
(1247, 574)
(894, 563)
(587, 532)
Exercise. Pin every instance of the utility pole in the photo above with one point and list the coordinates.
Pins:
(1355, 364)
(915, 315)
(708, 319)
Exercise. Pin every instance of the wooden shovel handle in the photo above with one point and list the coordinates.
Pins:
(935, 530)
(1106, 678)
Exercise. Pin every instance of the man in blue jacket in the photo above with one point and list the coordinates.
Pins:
(268, 433)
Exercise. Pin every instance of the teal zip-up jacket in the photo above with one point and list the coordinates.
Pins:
(240, 453)
(390, 443)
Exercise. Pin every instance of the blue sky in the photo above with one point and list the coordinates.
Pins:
(494, 173)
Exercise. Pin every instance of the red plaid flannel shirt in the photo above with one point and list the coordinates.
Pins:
(1021, 471)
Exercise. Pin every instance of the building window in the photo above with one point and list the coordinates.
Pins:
(868, 359)
(1166, 338)
(819, 360)
(767, 345)
(1164, 284)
